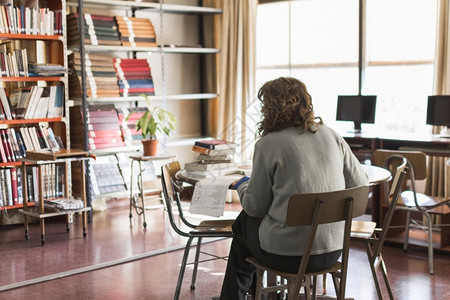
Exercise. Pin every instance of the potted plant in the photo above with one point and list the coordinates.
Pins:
(155, 120)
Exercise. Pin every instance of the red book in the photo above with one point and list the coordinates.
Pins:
(15, 195)
(8, 152)
(138, 90)
(104, 133)
(105, 140)
(106, 145)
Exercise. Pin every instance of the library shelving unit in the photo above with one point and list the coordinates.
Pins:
(45, 45)
(163, 49)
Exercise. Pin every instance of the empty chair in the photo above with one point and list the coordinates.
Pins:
(374, 237)
(206, 229)
(313, 210)
(411, 200)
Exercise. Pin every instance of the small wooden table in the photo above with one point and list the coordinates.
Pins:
(134, 202)
(40, 159)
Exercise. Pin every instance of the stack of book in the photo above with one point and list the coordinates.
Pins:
(136, 32)
(101, 78)
(134, 77)
(98, 30)
(212, 157)
(102, 125)
(128, 126)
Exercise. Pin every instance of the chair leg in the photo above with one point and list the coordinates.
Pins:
(307, 289)
(182, 268)
(386, 279)
(430, 242)
(197, 255)
(324, 284)
(259, 284)
(314, 288)
(374, 263)
(408, 220)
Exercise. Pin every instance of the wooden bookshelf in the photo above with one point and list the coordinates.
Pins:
(49, 48)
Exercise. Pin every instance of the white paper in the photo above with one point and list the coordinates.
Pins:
(209, 196)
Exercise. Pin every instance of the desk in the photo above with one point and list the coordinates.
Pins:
(377, 177)
(134, 201)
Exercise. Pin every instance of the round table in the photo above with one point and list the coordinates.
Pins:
(377, 177)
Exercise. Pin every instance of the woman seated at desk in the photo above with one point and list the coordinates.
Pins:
(296, 154)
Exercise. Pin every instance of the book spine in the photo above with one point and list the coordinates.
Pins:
(8, 186)
(202, 150)
(14, 194)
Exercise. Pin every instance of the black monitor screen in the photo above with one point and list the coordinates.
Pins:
(438, 110)
(356, 108)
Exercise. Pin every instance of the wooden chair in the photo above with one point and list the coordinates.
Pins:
(411, 200)
(374, 237)
(206, 229)
(313, 210)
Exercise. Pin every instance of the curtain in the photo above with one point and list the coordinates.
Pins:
(236, 72)
(438, 179)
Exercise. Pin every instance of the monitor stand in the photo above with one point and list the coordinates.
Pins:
(356, 127)
(445, 133)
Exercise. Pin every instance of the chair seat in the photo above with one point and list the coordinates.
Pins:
(423, 200)
(253, 261)
(213, 227)
(362, 229)
(216, 223)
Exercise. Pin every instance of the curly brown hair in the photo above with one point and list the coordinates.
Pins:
(285, 102)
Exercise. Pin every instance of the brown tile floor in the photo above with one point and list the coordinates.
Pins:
(111, 238)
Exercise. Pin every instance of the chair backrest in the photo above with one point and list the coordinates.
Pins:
(394, 194)
(322, 208)
(416, 159)
(171, 188)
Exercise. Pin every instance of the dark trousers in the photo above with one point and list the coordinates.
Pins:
(239, 273)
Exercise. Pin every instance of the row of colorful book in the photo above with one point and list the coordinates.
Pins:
(11, 184)
(110, 77)
(107, 126)
(15, 142)
(30, 20)
(111, 30)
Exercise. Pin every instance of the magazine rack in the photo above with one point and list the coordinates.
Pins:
(42, 211)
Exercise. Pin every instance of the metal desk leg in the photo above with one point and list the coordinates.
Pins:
(141, 192)
(41, 203)
(131, 189)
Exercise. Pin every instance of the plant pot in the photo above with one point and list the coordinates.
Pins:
(150, 147)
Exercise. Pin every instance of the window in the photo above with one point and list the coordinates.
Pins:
(317, 41)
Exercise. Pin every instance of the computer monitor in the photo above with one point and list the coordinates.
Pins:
(357, 108)
(438, 112)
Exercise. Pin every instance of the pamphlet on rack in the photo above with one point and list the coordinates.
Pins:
(209, 196)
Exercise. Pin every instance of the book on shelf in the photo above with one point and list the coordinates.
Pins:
(15, 196)
(216, 144)
(6, 105)
(8, 186)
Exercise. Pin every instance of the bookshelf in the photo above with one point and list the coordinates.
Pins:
(175, 88)
(33, 58)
